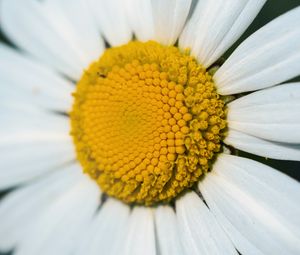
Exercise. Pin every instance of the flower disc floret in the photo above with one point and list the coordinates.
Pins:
(147, 122)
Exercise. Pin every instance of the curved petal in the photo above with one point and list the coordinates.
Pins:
(106, 231)
(216, 25)
(288, 92)
(167, 231)
(111, 18)
(46, 34)
(25, 80)
(30, 202)
(169, 17)
(32, 143)
(199, 231)
(268, 57)
(261, 147)
(256, 205)
(140, 236)
(139, 14)
(82, 31)
(271, 114)
(64, 221)
(20, 119)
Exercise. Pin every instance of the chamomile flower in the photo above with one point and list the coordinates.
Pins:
(118, 121)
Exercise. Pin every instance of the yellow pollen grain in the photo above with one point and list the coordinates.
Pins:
(146, 122)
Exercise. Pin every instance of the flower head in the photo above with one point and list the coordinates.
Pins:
(136, 157)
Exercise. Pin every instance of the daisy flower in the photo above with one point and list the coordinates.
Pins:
(138, 157)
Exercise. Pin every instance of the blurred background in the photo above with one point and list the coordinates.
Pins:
(271, 10)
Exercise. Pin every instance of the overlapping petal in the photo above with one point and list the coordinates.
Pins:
(106, 231)
(271, 114)
(46, 32)
(167, 231)
(139, 14)
(111, 18)
(199, 231)
(20, 209)
(216, 25)
(64, 221)
(169, 18)
(29, 82)
(262, 147)
(268, 57)
(32, 143)
(140, 235)
(255, 204)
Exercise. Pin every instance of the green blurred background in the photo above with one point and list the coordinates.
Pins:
(271, 10)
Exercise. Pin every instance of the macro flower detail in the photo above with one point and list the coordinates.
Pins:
(146, 122)
(121, 121)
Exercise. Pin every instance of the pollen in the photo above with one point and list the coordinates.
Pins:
(147, 122)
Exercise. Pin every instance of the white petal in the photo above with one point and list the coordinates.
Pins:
(45, 34)
(257, 205)
(268, 57)
(261, 147)
(167, 231)
(216, 25)
(31, 144)
(18, 118)
(111, 18)
(169, 17)
(61, 225)
(139, 13)
(106, 231)
(25, 80)
(288, 92)
(271, 114)
(80, 26)
(20, 209)
(140, 236)
(199, 231)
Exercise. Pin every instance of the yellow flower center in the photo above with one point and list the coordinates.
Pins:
(147, 122)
